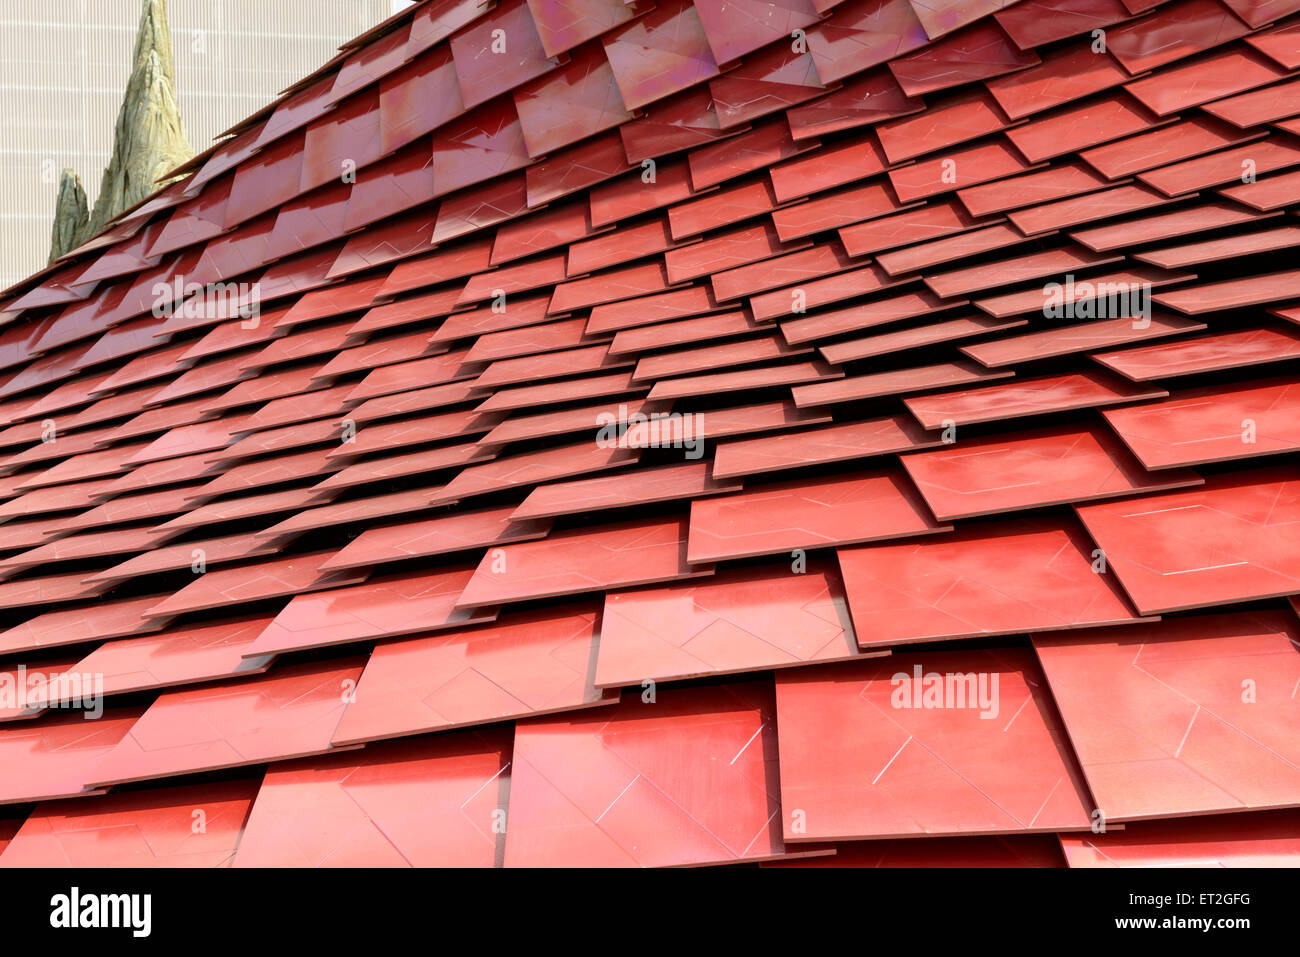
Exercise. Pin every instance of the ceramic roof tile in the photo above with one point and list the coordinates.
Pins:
(964, 117)
(54, 756)
(863, 756)
(665, 484)
(864, 33)
(713, 326)
(1222, 167)
(1078, 338)
(177, 656)
(1031, 469)
(1224, 542)
(864, 315)
(1076, 126)
(762, 147)
(679, 122)
(1208, 297)
(1151, 743)
(842, 207)
(975, 53)
(1278, 43)
(427, 803)
(1068, 74)
(563, 26)
(546, 323)
(1178, 30)
(1206, 79)
(762, 84)
(752, 377)
(915, 337)
(232, 585)
(632, 194)
(1273, 192)
(808, 513)
(852, 159)
(963, 585)
(1212, 424)
(1261, 839)
(497, 53)
(1167, 144)
(1042, 186)
(1186, 220)
(525, 665)
(576, 101)
(735, 28)
(1006, 271)
(1228, 350)
(868, 98)
(607, 788)
(948, 249)
(660, 53)
(746, 619)
(383, 607)
(1027, 397)
(153, 828)
(288, 713)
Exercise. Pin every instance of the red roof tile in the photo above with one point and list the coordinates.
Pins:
(656, 287)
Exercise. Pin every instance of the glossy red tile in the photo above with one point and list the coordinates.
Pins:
(435, 802)
(1228, 350)
(811, 512)
(154, 828)
(54, 756)
(1032, 469)
(638, 552)
(288, 713)
(1224, 542)
(919, 744)
(607, 788)
(1152, 737)
(1009, 400)
(1004, 579)
(527, 664)
(746, 619)
(668, 483)
(660, 53)
(1261, 839)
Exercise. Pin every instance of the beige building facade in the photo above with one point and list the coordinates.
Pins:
(64, 66)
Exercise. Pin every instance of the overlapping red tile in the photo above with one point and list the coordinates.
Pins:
(436, 802)
(919, 744)
(584, 560)
(1262, 839)
(808, 513)
(1194, 715)
(1003, 579)
(1227, 541)
(1032, 469)
(749, 619)
(288, 713)
(1212, 424)
(191, 825)
(526, 664)
(604, 267)
(56, 755)
(691, 779)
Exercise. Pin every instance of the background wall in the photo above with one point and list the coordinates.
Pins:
(63, 70)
